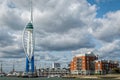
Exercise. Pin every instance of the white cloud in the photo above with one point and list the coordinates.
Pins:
(110, 50)
(107, 28)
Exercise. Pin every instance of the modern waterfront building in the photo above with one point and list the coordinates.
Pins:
(52, 72)
(83, 63)
(105, 66)
(56, 65)
(88, 63)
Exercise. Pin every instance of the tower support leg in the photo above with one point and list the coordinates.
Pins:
(27, 65)
(32, 64)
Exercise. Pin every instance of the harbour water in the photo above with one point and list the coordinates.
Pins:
(55, 78)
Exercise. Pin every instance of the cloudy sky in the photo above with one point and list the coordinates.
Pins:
(62, 29)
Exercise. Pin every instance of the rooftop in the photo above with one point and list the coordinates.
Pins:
(86, 54)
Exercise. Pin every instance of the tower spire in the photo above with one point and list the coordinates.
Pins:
(31, 11)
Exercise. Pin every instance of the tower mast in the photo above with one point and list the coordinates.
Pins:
(31, 11)
(1, 68)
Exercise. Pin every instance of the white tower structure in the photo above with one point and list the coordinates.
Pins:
(28, 42)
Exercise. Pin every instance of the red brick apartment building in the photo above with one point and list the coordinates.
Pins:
(88, 63)
(83, 63)
(105, 66)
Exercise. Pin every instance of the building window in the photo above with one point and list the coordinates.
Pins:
(87, 58)
(98, 66)
(87, 62)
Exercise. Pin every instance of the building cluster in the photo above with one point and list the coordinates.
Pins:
(105, 66)
(88, 63)
(55, 71)
(52, 72)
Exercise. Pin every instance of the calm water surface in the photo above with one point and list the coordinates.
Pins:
(14, 78)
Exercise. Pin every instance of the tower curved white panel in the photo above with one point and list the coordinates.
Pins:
(28, 40)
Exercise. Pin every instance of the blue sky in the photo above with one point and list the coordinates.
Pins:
(105, 6)
(62, 30)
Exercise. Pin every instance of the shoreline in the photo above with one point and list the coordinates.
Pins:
(108, 76)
